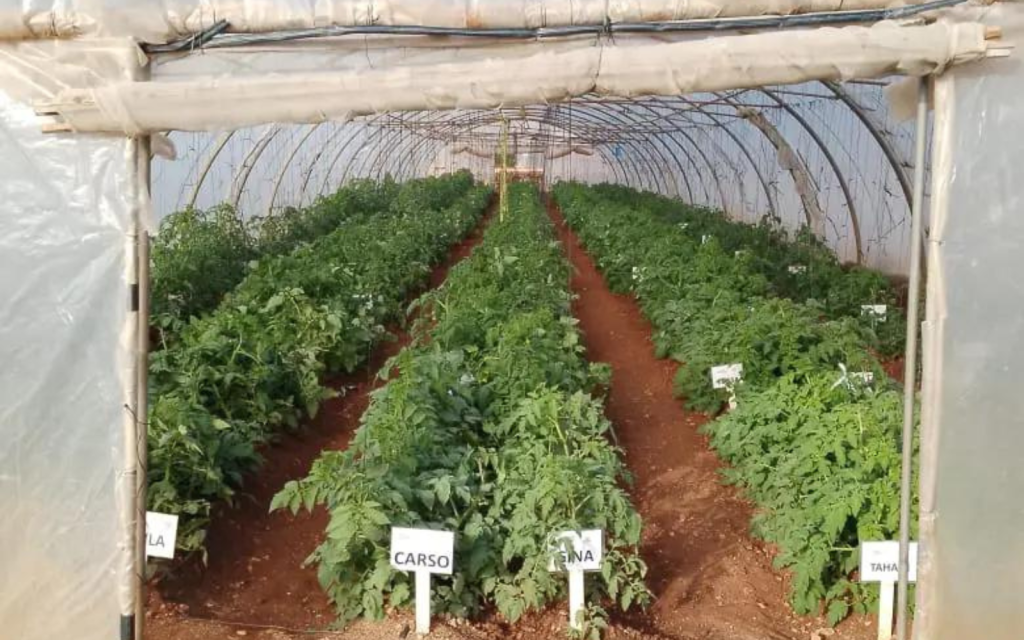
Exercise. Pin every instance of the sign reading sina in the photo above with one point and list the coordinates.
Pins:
(576, 552)
(579, 551)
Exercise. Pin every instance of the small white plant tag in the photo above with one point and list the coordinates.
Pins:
(877, 311)
(879, 562)
(798, 268)
(161, 534)
(863, 377)
(579, 552)
(726, 376)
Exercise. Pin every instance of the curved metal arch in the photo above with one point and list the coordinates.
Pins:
(308, 173)
(222, 141)
(395, 150)
(287, 163)
(484, 117)
(898, 164)
(851, 207)
(656, 143)
(653, 156)
(356, 130)
(565, 121)
(692, 162)
(661, 148)
(481, 118)
(374, 136)
(683, 173)
(769, 196)
(433, 148)
(245, 169)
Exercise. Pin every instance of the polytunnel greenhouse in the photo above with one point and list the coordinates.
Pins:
(535, 319)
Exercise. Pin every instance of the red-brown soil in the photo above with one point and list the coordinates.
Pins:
(710, 579)
(254, 576)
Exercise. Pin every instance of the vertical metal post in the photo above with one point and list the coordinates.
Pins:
(910, 364)
(130, 472)
(142, 379)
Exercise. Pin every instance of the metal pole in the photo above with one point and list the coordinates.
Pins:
(910, 364)
(142, 381)
(129, 487)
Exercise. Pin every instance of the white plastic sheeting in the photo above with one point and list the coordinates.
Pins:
(66, 353)
(972, 516)
(510, 75)
(162, 20)
(693, 147)
(65, 216)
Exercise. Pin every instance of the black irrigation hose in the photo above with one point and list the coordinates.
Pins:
(191, 43)
(214, 38)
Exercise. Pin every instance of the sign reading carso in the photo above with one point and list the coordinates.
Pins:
(422, 550)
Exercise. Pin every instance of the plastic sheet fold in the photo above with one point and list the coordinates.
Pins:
(164, 20)
(64, 344)
(509, 75)
(971, 566)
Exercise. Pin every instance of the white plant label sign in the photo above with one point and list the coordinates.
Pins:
(877, 311)
(579, 551)
(863, 377)
(880, 561)
(726, 376)
(798, 268)
(161, 534)
(422, 551)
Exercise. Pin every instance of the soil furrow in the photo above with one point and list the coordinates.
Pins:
(709, 577)
(254, 580)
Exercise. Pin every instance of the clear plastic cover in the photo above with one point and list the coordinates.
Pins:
(64, 323)
(972, 518)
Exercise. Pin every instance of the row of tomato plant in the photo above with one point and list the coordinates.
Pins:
(233, 377)
(798, 266)
(490, 428)
(811, 442)
(199, 255)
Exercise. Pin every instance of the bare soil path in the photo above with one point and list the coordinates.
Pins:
(711, 580)
(254, 581)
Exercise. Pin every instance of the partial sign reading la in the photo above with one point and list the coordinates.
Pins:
(422, 550)
(880, 561)
(161, 534)
(579, 550)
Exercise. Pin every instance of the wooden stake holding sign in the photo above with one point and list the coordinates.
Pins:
(422, 551)
(880, 562)
(577, 552)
